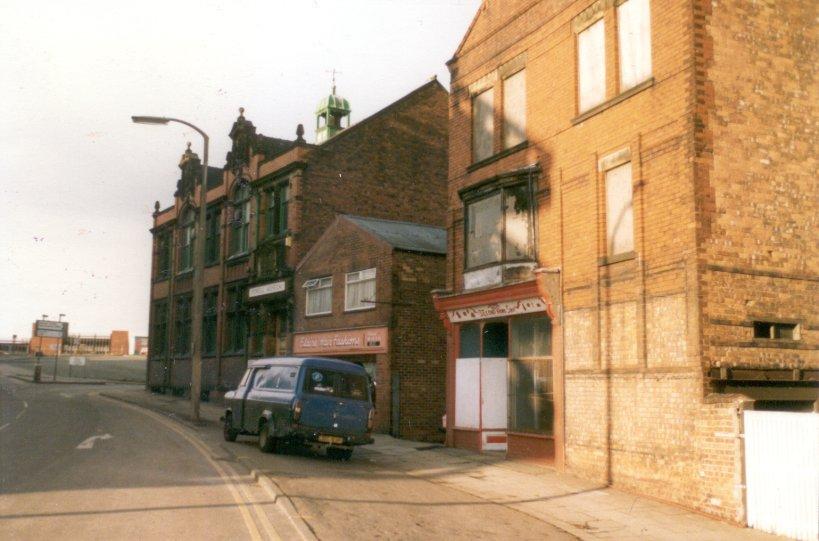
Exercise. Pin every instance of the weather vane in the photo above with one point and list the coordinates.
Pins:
(333, 72)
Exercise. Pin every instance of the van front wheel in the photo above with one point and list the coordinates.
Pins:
(228, 432)
(267, 443)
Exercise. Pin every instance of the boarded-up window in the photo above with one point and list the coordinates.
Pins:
(591, 66)
(483, 124)
(514, 109)
(634, 39)
(619, 213)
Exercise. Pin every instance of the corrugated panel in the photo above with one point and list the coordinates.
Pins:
(782, 472)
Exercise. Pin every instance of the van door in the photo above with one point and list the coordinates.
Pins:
(335, 402)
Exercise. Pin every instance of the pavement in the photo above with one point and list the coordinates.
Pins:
(580, 508)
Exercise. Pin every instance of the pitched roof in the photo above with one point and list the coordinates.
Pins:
(272, 146)
(404, 235)
(214, 177)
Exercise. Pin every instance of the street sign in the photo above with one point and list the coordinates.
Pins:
(76, 361)
(51, 329)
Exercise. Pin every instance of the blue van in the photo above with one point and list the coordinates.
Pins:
(304, 400)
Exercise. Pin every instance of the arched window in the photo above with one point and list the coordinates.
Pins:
(240, 222)
(186, 233)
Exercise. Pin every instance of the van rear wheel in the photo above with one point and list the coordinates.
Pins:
(339, 454)
(267, 443)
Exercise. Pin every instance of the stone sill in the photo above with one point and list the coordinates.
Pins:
(597, 109)
(611, 259)
(495, 157)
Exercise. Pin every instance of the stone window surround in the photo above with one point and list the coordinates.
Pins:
(488, 81)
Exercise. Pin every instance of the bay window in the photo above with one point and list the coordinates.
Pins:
(499, 227)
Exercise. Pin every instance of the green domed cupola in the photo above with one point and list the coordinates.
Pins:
(330, 113)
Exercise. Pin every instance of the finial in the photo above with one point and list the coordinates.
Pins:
(156, 207)
(333, 72)
(189, 146)
(300, 133)
(241, 112)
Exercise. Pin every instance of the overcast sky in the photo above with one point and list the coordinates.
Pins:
(78, 180)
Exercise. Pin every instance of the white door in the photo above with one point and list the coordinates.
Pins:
(494, 403)
(782, 472)
(467, 393)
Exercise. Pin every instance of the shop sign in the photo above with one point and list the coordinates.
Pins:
(267, 289)
(499, 309)
(373, 340)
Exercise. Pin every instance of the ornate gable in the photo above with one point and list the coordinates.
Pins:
(243, 134)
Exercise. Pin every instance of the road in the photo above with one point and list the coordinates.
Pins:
(142, 476)
(146, 475)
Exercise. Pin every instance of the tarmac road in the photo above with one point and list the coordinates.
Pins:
(74, 465)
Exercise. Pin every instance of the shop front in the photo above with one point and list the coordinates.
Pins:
(504, 377)
(366, 346)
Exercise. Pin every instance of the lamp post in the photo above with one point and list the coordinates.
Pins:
(198, 267)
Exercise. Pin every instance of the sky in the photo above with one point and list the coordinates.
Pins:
(78, 180)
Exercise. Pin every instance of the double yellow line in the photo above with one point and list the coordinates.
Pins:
(237, 489)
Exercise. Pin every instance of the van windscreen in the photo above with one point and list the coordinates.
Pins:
(338, 384)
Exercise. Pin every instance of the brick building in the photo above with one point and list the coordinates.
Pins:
(632, 224)
(266, 208)
(363, 294)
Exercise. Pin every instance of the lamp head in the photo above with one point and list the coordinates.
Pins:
(149, 120)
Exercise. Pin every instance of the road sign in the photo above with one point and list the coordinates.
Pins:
(51, 329)
(76, 361)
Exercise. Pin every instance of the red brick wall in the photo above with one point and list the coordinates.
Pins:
(757, 189)
(394, 161)
(418, 344)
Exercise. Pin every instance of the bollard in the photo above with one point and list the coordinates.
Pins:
(38, 372)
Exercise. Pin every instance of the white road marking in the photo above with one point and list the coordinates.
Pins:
(25, 404)
(89, 443)
(4, 426)
(65, 395)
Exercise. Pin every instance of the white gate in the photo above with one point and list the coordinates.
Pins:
(782, 472)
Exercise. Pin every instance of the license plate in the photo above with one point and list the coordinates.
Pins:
(337, 440)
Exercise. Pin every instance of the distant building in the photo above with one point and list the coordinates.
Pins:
(272, 202)
(363, 293)
(140, 345)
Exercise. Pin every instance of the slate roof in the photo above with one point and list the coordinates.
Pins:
(214, 177)
(405, 235)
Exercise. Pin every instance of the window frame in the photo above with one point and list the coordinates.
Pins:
(503, 187)
(609, 246)
(505, 119)
(213, 230)
(581, 106)
(164, 258)
(159, 326)
(474, 99)
(547, 360)
(239, 240)
(366, 305)
(623, 85)
(235, 319)
(187, 236)
(182, 325)
(210, 315)
(314, 285)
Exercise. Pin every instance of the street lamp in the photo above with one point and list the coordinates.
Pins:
(198, 267)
